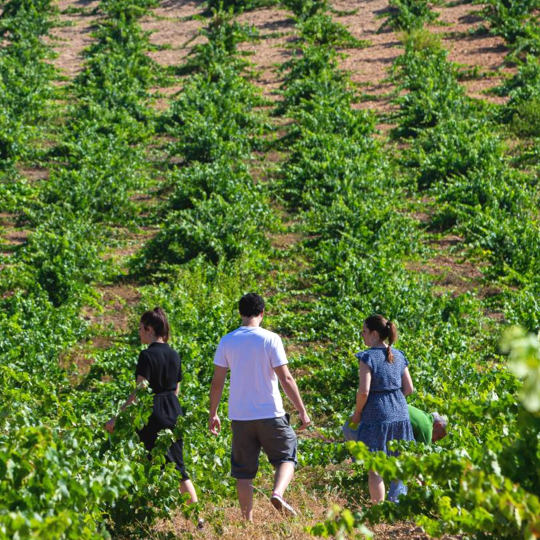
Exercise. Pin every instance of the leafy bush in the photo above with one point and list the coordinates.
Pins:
(223, 34)
(455, 147)
(429, 82)
(25, 75)
(215, 119)
(515, 22)
(523, 88)
(409, 15)
(322, 30)
(221, 215)
(306, 9)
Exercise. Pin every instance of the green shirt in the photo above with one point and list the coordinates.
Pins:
(422, 425)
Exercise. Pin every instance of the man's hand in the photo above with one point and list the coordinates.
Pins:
(306, 421)
(109, 426)
(214, 425)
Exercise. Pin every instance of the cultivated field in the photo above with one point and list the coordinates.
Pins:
(339, 157)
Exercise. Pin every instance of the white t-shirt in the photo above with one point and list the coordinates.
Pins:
(251, 353)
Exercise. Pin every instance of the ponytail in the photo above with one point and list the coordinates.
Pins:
(387, 331)
(392, 338)
(157, 320)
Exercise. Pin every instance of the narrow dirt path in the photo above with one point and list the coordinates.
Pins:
(77, 19)
(476, 50)
(174, 31)
(277, 33)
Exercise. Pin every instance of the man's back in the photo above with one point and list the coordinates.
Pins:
(251, 353)
(422, 424)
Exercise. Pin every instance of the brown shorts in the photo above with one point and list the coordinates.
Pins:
(274, 435)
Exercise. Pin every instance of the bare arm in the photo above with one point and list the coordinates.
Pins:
(406, 383)
(363, 392)
(109, 426)
(291, 390)
(176, 392)
(216, 390)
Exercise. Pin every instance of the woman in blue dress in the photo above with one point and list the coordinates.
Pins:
(381, 408)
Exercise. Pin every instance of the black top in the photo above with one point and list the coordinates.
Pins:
(160, 366)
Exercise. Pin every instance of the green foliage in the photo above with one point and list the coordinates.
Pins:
(64, 477)
(223, 34)
(322, 30)
(311, 73)
(454, 147)
(25, 75)
(431, 92)
(347, 195)
(215, 119)
(216, 211)
(516, 23)
(523, 89)
(306, 9)
(457, 154)
(409, 15)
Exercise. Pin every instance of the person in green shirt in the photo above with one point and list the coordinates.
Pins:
(427, 428)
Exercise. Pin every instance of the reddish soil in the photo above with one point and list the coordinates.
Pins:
(173, 27)
(114, 314)
(73, 36)
(276, 29)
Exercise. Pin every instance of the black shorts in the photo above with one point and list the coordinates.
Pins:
(274, 435)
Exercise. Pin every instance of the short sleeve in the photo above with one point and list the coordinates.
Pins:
(220, 358)
(364, 356)
(405, 362)
(276, 353)
(144, 368)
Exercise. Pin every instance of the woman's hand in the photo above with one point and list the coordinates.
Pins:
(109, 426)
(354, 421)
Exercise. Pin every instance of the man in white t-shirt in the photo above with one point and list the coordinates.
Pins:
(257, 362)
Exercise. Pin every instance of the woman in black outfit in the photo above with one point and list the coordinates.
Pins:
(161, 367)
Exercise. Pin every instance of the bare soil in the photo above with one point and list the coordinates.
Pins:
(73, 36)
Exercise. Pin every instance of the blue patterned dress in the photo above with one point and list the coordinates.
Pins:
(385, 416)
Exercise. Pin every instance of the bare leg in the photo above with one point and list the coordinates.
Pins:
(187, 487)
(245, 498)
(284, 475)
(376, 487)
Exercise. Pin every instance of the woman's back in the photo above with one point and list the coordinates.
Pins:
(385, 375)
(386, 402)
(160, 365)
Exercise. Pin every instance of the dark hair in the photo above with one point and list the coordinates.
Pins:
(251, 305)
(386, 330)
(157, 320)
